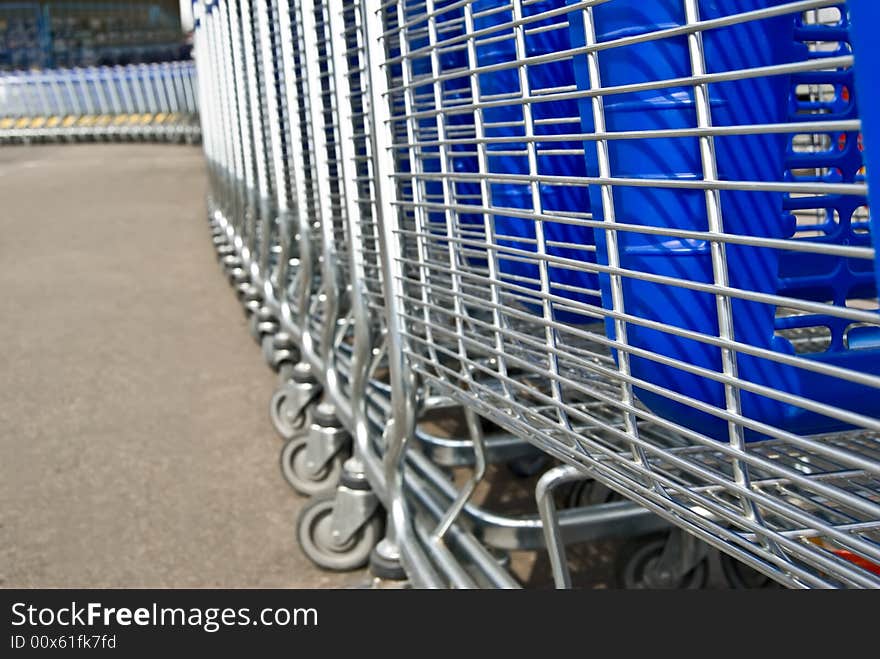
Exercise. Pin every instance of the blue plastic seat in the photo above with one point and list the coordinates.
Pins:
(865, 15)
(757, 157)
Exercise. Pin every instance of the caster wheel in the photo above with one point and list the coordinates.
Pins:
(527, 466)
(250, 307)
(589, 493)
(636, 566)
(293, 468)
(313, 530)
(254, 327)
(236, 277)
(267, 346)
(740, 576)
(285, 424)
(386, 569)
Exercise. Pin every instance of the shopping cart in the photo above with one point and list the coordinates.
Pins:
(633, 236)
(357, 348)
(687, 187)
(277, 250)
(144, 102)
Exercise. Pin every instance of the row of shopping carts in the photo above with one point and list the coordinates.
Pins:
(615, 254)
(45, 34)
(136, 102)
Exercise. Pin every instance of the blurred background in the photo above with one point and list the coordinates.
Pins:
(68, 33)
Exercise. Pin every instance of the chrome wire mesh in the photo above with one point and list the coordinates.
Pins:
(633, 234)
(644, 246)
(355, 118)
(279, 197)
(359, 349)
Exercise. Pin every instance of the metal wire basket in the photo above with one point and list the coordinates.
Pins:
(634, 236)
(662, 384)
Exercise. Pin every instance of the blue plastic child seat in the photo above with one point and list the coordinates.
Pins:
(833, 217)
(760, 214)
(834, 157)
(552, 117)
(865, 17)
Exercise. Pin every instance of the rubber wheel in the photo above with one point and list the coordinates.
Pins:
(386, 569)
(527, 466)
(253, 327)
(267, 346)
(636, 559)
(293, 468)
(284, 425)
(589, 493)
(313, 533)
(740, 576)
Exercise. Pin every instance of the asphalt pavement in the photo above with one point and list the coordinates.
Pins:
(135, 445)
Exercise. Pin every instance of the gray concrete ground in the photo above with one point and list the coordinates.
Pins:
(135, 446)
